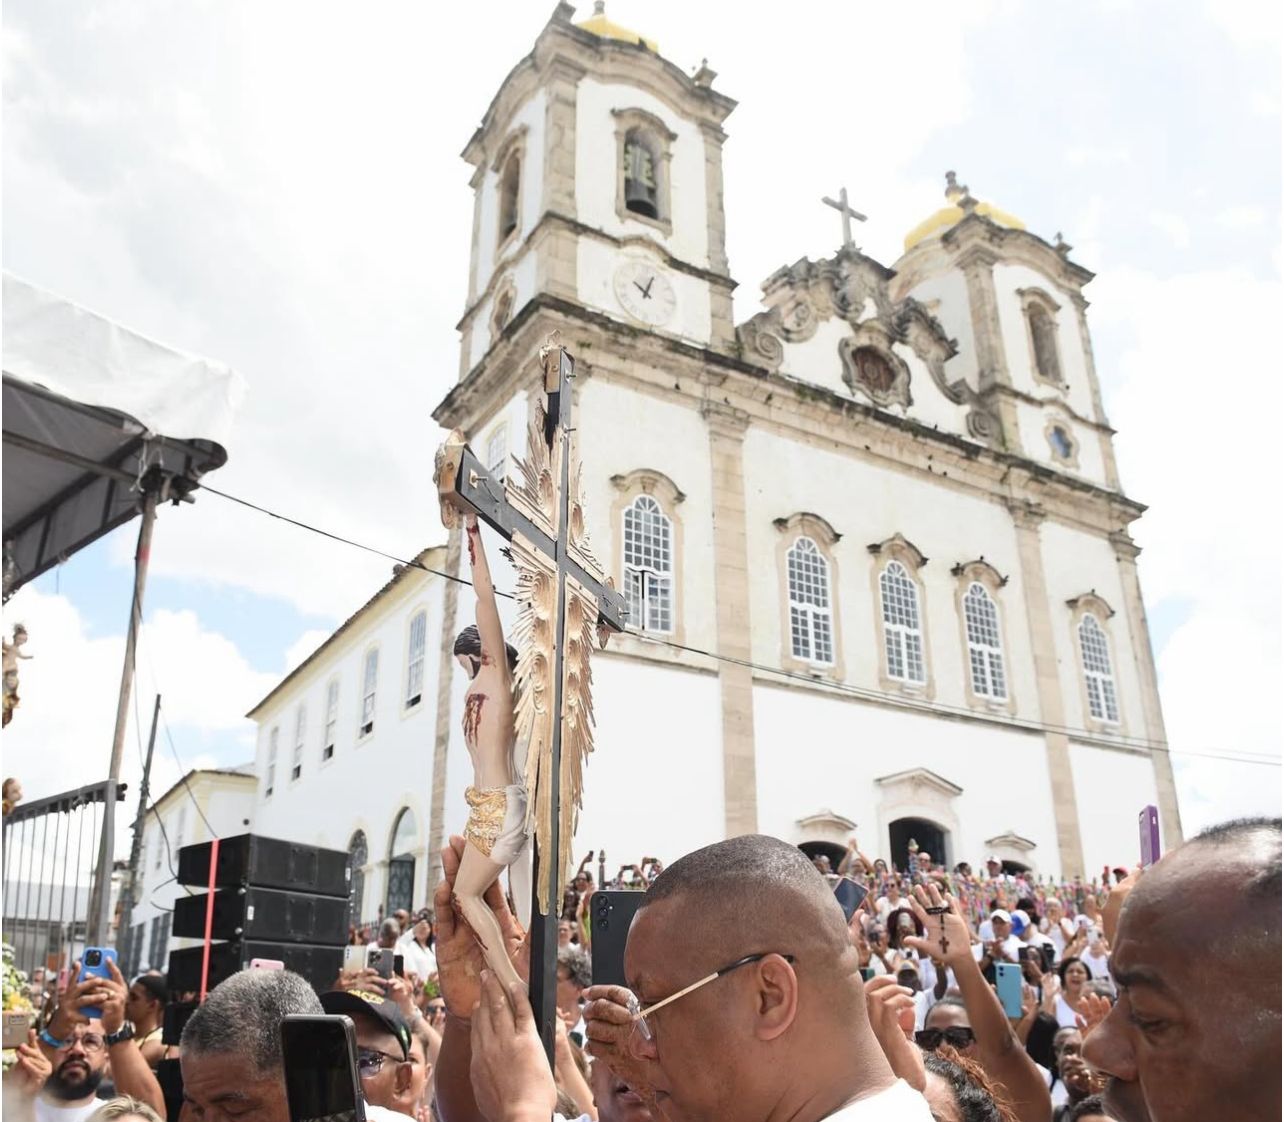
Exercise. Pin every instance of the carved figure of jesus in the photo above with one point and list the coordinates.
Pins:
(12, 652)
(496, 832)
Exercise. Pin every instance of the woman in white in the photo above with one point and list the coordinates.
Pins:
(1056, 927)
(1062, 1001)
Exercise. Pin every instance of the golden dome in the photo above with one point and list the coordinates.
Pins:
(953, 213)
(599, 25)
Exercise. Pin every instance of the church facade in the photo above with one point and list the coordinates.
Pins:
(873, 538)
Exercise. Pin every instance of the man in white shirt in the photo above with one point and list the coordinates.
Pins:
(1004, 947)
(741, 941)
(1056, 927)
(892, 901)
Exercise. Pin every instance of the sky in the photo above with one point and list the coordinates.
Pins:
(278, 186)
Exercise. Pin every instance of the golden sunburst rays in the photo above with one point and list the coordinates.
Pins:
(532, 488)
(577, 717)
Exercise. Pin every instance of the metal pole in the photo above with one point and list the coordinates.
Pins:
(98, 912)
(136, 848)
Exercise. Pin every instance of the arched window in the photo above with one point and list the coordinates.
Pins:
(401, 862)
(641, 173)
(984, 646)
(811, 628)
(358, 855)
(331, 719)
(648, 565)
(1043, 341)
(510, 182)
(902, 633)
(300, 731)
(274, 738)
(415, 659)
(1099, 679)
(369, 681)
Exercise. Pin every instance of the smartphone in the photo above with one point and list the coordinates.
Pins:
(1148, 830)
(850, 896)
(15, 1029)
(867, 973)
(321, 1079)
(354, 959)
(610, 914)
(94, 965)
(399, 965)
(1007, 984)
(380, 960)
(266, 964)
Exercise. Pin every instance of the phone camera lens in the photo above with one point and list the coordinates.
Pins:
(604, 924)
(94, 958)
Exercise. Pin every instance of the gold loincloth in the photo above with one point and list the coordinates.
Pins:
(486, 810)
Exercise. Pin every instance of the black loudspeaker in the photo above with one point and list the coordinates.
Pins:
(177, 1014)
(264, 913)
(319, 965)
(267, 863)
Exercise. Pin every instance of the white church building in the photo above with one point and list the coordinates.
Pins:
(873, 537)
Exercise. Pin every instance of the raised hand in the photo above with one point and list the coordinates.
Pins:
(1051, 989)
(113, 992)
(460, 959)
(891, 1015)
(1093, 1008)
(946, 938)
(1115, 903)
(31, 1067)
(510, 1074)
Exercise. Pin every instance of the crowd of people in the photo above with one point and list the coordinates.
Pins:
(752, 996)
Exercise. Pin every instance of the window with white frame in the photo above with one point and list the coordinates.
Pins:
(415, 659)
(369, 680)
(331, 719)
(984, 646)
(273, 744)
(1103, 702)
(300, 733)
(902, 633)
(648, 565)
(497, 452)
(811, 625)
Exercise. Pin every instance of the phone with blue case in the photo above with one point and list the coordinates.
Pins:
(94, 965)
(1007, 984)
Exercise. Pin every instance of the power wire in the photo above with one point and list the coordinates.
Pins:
(837, 687)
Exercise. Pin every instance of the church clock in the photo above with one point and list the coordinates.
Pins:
(645, 293)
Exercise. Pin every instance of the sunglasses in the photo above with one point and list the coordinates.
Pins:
(956, 1037)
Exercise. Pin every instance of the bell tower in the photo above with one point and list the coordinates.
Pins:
(597, 190)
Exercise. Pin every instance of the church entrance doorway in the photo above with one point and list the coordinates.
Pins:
(401, 863)
(834, 852)
(929, 837)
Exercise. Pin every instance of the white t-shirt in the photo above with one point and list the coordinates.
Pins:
(886, 907)
(1011, 948)
(51, 1110)
(418, 960)
(1057, 933)
(1065, 1015)
(899, 1103)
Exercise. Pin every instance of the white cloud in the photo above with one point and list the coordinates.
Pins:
(1174, 225)
(61, 734)
(1242, 217)
(1197, 442)
(302, 647)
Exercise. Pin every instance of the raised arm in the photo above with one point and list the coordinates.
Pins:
(489, 626)
(1000, 1052)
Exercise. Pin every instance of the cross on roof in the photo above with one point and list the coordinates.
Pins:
(848, 214)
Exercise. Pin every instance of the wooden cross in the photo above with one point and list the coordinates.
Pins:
(541, 517)
(848, 214)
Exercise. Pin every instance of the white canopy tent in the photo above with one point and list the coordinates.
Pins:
(91, 409)
(100, 425)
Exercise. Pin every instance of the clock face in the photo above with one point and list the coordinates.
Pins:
(644, 292)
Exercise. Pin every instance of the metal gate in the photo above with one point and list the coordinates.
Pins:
(53, 902)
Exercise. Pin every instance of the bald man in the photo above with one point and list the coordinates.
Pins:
(1195, 1033)
(747, 1003)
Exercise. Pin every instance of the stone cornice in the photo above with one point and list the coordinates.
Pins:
(785, 405)
(552, 220)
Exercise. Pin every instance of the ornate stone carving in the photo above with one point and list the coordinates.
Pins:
(870, 367)
(760, 340)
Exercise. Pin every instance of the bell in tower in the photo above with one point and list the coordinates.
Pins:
(640, 191)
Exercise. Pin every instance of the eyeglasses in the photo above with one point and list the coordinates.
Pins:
(370, 1061)
(957, 1036)
(639, 1015)
(90, 1042)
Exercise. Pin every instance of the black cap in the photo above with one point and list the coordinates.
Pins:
(356, 1003)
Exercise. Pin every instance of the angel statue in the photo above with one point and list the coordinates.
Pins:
(12, 652)
(497, 836)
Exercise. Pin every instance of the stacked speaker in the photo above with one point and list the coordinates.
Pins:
(272, 900)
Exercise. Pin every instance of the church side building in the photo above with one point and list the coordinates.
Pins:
(873, 538)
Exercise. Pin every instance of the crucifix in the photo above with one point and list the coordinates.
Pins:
(848, 214)
(542, 685)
